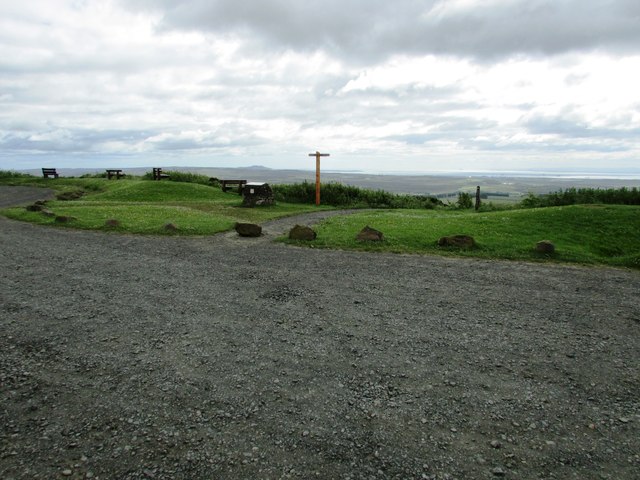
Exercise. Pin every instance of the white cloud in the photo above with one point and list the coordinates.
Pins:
(397, 85)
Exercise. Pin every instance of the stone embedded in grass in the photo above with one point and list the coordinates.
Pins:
(71, 195)
(545, 246)
(248, 229)
(300, 232)
(368, 234)
(170, 227)
(64, 219)
(112, 223)
(459, 241)
(47, 213)
(36, 207)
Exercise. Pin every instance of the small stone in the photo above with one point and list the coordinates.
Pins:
(248, 229)
(545, 246)
(63, 219)
(624, 419)
(305, 433)
(550, 443)
(170, 227)
(495, 444)
(34, 208)
(67, 472)
(300, 232)
(498, 472)
(47, 213)
(459, 241)
(112, 223)
(368, 234)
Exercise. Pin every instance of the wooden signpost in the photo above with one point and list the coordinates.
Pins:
(318, 155)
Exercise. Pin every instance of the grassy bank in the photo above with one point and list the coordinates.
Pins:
(145, 207)
(586, 234)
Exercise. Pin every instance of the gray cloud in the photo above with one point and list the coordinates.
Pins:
(566, 127)
(369, 30)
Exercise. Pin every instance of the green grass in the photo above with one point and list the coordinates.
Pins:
(593, 234)
(145, 206)
(585, 234)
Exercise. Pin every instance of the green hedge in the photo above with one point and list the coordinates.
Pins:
(339, 195)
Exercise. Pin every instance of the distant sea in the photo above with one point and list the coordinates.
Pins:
(503, 173)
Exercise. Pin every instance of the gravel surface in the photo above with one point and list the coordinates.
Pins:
(134, 357)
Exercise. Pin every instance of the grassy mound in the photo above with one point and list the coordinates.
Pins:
(588, 234)
(145, 207)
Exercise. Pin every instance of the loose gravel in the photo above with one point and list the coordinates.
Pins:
(133, 357)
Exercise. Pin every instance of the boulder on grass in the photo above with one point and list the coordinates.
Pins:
(545, 246)
(368, 234)
(70, 195)
(300, 232)
(112, 223)
(64, 219)
(248, 229)
(459, 241)
(170, 227)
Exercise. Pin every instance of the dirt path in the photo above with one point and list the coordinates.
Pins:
(281, 226)
(12, 196)
(136, 357)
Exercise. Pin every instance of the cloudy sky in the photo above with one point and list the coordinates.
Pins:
(381, 85)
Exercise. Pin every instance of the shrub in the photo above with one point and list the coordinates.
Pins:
(185, 177)
(573, 196)
(339, 195)
(9, 174)
(464, 200)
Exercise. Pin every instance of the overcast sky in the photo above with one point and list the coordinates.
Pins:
(381, 85)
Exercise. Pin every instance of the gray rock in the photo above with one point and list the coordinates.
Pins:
(300, 232)
(248, 229)
(368, 234)
(47, 213)
(257, 195)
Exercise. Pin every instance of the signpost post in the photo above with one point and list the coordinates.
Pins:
(318, 155)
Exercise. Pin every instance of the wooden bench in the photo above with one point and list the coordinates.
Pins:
(158, 175)
(227, 184)
(113, 172)
(47, 172)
